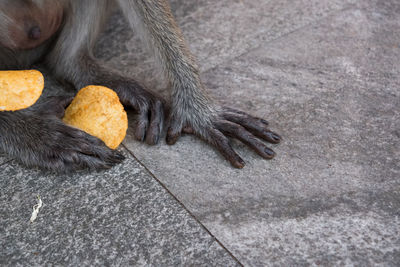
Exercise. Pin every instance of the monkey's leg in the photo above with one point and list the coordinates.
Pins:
(37, 137)
(192, 111)
(72, 60)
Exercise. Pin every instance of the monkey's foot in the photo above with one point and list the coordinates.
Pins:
(235, 124)
(44, 141)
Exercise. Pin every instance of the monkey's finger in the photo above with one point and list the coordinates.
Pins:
(60, 160)
(93, 158)
(54, 164)
(240, 133)
(96, 148)
(173, 135)
(80, 142)
(221, 142)
(233, 110)
(156, 121)
(174, 132)
(94, 163)
(64, 101)
(100, 151)
(245, 115)
(66, 162)
(268, 136)
(141, 125)
(78, 162)
(254, 125)
(55, 105)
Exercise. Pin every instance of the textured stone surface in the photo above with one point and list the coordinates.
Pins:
(324, 73)
(215, 31)
(118, 217)
(331, 88)
(222, 29)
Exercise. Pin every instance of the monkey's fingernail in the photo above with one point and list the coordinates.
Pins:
(276, 137)
(172, 136)
(264, 121)
(269, 152)
(171, 139)
(238, 163)
(152, 139)
(139, 136)
(272, 137)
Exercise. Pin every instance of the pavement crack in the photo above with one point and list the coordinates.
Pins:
(183, 205)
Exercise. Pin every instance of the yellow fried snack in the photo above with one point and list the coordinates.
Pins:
(98, 111)
(20, 89)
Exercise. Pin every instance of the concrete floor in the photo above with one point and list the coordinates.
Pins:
(325, 73)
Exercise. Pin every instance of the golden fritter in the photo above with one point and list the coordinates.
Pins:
(98, 111)
(20, 89)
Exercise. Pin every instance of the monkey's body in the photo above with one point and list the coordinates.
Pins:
(62, 35)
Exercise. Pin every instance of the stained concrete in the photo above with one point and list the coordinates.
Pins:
(215, 31)
(326, 76)
(330, 87)
(118, 217)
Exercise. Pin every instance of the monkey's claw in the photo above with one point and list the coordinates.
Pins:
(53, 105)
(235, 124)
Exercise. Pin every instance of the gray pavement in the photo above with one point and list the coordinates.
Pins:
(326, 76)
(119, 217)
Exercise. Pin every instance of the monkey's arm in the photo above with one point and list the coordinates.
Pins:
(37, 137)
(72, 59)
(192, 111)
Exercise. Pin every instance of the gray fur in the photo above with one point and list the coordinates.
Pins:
(36, 137)
(190, 104)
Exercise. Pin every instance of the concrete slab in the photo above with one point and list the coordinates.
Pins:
(222, 30)
(117, 217)
(330, 197)
(332, 194)
(215, 31)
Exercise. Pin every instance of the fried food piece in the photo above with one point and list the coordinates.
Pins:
(98, 111)
(20, 89)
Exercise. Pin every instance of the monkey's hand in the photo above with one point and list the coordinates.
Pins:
(148, 106)
(150, 110)
(223, 123)
(37, 137)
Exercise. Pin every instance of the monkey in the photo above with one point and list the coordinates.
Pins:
(61, 35)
